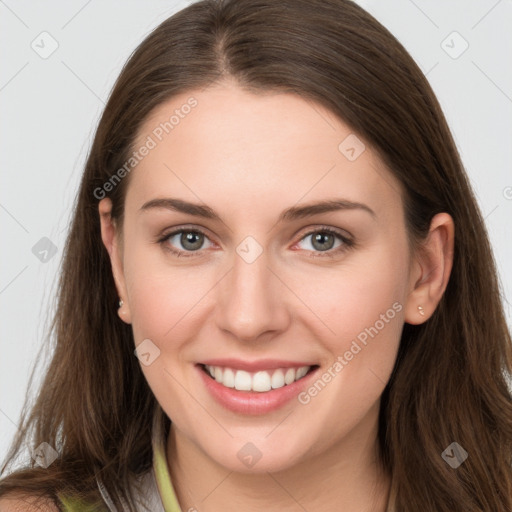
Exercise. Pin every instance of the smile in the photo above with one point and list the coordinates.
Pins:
(260, 381)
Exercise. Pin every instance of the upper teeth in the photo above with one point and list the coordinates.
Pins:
(259, 381)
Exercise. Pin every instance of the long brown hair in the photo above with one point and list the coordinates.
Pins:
(449, 383)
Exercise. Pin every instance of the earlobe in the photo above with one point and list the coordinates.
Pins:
(110, 238)
(124, 312)
(431, 270)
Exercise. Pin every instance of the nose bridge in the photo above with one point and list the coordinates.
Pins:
(249, 299)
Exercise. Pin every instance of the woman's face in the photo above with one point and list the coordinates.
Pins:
(226, 262)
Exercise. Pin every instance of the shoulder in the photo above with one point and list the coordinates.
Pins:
(26, 503)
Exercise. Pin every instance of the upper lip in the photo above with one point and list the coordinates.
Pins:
(254, 366)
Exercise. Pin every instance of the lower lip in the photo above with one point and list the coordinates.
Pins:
(253, 402)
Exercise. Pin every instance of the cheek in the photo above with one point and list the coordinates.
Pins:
(367, 320)
(164, 299)
(362, 306)
(352, 298)
(165, 304)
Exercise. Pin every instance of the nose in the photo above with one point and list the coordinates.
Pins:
(251, 301)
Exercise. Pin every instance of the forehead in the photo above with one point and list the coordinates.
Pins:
(271, 148)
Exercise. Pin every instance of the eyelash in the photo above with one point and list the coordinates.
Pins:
(331, 253)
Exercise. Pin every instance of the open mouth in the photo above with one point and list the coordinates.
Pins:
(260, 381)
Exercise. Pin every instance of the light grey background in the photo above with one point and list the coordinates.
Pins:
(49, 108)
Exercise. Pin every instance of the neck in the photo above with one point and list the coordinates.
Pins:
(347, 477)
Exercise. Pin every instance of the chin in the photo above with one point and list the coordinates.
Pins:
(254, 457)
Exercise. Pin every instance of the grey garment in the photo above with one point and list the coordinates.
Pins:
(146, 501)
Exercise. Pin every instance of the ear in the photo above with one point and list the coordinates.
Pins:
(112, 240)
(430, 270)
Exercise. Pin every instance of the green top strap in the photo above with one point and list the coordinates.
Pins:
(162, 476)
(74, 504)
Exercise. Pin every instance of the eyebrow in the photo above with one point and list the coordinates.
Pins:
(293, 213)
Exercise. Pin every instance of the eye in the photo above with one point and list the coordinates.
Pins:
(190, 240)
(323, 242)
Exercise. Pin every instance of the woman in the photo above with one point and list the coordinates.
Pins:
(274, 216)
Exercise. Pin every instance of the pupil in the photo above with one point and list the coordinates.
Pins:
(191, 238)
(321, 237)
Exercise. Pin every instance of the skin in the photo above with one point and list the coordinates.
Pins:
(249, 157)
